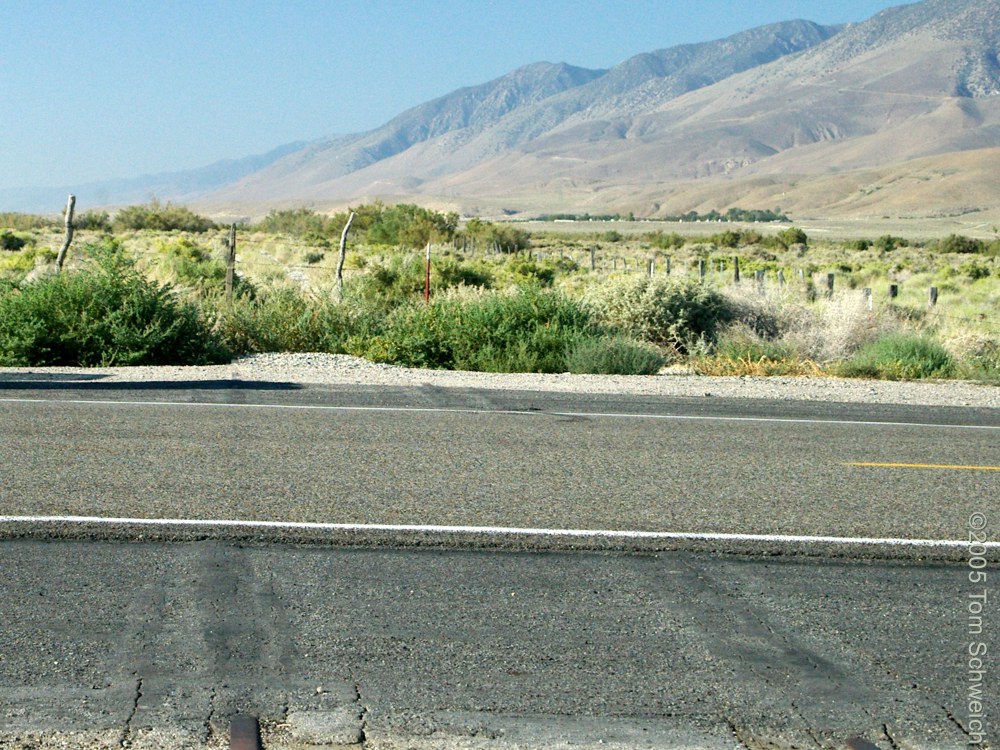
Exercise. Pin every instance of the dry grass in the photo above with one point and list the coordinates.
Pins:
(764, 366)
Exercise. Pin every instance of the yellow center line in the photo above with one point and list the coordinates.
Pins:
(952, 467)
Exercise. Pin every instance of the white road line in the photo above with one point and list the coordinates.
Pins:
(498, 412)
(498, 531)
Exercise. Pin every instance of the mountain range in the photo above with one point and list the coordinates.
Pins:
(897, 115)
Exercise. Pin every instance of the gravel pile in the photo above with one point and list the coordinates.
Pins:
(338, 369)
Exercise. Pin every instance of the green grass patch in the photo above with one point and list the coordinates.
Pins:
(899, 356)
(614, 355)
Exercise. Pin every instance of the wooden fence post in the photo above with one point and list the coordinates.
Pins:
(427, 276)
(867, 291)
(230, 261)
(829, 284)
(342, 256)
(61, 257)
(893, 291)
(593, 259)
(701, 269)
(932, 296)
(736, 269)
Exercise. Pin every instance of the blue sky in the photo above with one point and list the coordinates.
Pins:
(116, 88)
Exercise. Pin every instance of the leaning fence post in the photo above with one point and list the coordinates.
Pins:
(231, 261)
(427, 275)
(61, 257)
(342, 256)
(781, 278)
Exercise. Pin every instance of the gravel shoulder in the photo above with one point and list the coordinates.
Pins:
(336, 369)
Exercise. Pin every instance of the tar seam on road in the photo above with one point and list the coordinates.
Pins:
(495, 531)
(498, 412)
(951, 467)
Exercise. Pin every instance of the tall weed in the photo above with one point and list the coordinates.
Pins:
(899, 356)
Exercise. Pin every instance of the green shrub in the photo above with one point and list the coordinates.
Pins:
(530, 330)
(660, 310)
(523, 272)
(536, 325)
(979, 357)
(18, 265)
(505, 238)
(957, 243)
(663, 241)
(975, 270)
(791, 236)
(26, 222)
(191, 265)
(297, 222)
(887, 243)
(162, 218)
(729, 238)
(280, 319)
(447, 273)
(11, 241)
(613, 355)
(97, 221)
(401, 278)
(105, 314)
(899, 356)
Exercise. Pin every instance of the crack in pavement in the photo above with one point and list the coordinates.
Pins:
(362, 715)
(126, 735)
(892, 740)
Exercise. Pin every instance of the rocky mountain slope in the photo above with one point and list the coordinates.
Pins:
(897, 115)
(782, 106)
(460, 130)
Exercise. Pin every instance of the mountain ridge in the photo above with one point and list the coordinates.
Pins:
(783, 105)
(485, 135)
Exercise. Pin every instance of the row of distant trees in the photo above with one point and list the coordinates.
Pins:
(409, 225)
(733, 214)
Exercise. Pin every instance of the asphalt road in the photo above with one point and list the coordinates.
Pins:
(147, 643)
(159, 645)
(482, 459)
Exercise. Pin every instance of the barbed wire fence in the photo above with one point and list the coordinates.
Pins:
(721, 271)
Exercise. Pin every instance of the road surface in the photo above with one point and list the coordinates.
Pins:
(158, 645)
(745, 574)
